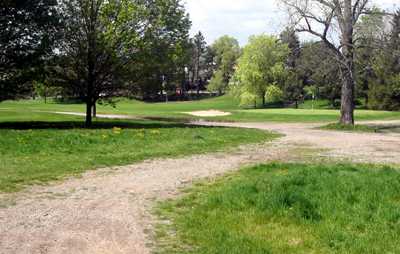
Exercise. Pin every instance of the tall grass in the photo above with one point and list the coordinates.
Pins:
(33, 152)
(292, 208)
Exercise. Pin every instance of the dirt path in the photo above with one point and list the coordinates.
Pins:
(107, 211)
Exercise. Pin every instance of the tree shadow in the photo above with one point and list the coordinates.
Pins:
(107, 124)
(68, 101)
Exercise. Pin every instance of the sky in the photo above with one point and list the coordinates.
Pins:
(241, 18)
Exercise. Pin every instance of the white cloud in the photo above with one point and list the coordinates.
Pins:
(254, 24)
(236, 18)
(240, 19)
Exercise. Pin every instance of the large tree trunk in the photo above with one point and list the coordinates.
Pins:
(88, 113)
(347, 70)
(347, 99)
(263, 99)
(94, 109)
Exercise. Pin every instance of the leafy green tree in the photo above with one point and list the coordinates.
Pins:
(260, 69)
(28, 29)
(43, 90)
(226, 51)
(109, 46)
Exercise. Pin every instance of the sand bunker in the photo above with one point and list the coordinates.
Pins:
(208, 113)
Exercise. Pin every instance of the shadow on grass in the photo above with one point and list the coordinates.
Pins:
(67, 101)
(103, 124)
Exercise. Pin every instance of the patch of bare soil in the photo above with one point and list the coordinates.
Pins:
(107, 210)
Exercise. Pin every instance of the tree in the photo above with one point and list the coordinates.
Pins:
(324, 74)
(293, 87)
(384, 82)
(27, 32)
(226, 51)
(328, 19)
(108, 46)
(290, 38)
(200, 47)
(259, 69)
(43, 90)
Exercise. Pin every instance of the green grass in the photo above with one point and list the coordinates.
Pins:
(223, 103)
(290, 208)
(306, 115)
(347, 127)
(325, 104)
(39, 147)
(129, 107)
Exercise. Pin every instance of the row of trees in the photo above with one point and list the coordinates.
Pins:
(94, 49)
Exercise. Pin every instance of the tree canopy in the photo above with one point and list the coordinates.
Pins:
(111, 45)
(225, 51)
(28, 29)
(259, 69)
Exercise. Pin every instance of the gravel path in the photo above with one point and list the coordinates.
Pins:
(107, 211)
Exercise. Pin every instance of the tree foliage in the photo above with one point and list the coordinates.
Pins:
(384, 90)
(225, 51)
(28, 29)
(293, 86)
(260, 69)
(111, 45)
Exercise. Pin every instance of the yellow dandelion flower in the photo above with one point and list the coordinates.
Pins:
(117, 132)
(154, 132)
(117, 128)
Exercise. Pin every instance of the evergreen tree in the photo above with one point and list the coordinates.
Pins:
(293, 87)
(384, 93)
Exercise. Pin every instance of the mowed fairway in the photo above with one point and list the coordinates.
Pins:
(223, 103)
